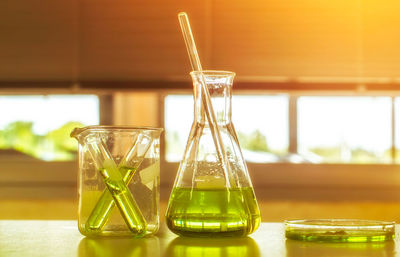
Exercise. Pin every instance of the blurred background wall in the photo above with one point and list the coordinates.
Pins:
(318, 82)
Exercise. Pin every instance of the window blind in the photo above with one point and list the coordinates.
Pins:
(121, 42)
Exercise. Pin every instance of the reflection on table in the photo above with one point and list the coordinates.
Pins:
(121, 247)
(61, 238)
(321, 249)
(213, 247)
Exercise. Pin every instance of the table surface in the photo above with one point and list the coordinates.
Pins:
(61, 238)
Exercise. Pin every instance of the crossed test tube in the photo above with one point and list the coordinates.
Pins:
(117, 192)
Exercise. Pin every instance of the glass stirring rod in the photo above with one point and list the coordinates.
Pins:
(206, 99)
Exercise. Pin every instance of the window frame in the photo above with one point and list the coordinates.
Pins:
(337, 180)
(25, 176)
(272, 180)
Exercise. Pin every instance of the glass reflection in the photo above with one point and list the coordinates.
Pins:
(215, 247)
(299, 248)
(121, 247)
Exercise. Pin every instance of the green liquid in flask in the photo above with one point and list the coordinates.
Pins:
(213, 212)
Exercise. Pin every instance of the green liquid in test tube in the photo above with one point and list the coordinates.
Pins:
(102, 211)
(123, 197)
(117, 188)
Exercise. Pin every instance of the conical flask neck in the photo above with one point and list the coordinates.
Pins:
(219, 85)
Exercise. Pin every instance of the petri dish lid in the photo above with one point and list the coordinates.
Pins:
(339, 230)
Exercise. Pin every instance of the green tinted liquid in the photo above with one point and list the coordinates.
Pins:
(117, 192)
(352, 236)
(213, 212)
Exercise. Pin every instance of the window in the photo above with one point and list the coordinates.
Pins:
(261, 123)
(330, 129)
(323, 142)
(345, 129)
(177, 127)
(39, 126)
(262, 135)
(396, 133)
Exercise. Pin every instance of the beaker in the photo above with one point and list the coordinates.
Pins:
(118, 181)
(208, 198)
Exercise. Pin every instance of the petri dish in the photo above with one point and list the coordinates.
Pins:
(340, 230)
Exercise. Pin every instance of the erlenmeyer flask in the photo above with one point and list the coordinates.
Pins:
(208, 199)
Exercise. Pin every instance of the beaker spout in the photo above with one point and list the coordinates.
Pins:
(76, 133)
